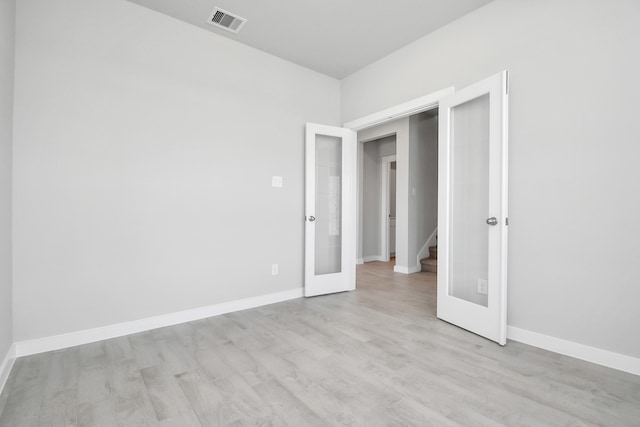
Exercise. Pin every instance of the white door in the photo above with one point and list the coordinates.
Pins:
(330, 215)
(472, 208)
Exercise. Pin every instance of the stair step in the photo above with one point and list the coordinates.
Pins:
(433, 252)
(429, 265)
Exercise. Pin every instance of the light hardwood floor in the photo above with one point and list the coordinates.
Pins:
(374, 357)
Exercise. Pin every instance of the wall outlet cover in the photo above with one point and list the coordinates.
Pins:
(483, 286)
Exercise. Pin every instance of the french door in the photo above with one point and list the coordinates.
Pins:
(472, 208)
(330, 217)
(472, 204)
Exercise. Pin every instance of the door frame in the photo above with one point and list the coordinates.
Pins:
(385, 192)
(361, 259)
(418, 105)
(405, 109)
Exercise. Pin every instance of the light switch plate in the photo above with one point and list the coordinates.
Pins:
(276, 181)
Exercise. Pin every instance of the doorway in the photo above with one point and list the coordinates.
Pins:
(398, 203)
(480, 122)
(376, 156)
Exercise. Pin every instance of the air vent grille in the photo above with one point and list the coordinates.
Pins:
(225, 20)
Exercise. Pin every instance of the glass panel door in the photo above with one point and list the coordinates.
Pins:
(330, 226)
(472, 208)
(469, 238)
(328, 205)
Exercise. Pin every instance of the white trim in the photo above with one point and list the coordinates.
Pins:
(6, 365)
(406, 270)
(375, 258)
(56, 342)
(385, 206)
(431, 241)
(595, 355)
(360, 261)
(25, 348)
(405, 109)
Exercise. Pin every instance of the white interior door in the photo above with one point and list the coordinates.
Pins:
(472, 208)
(330, 215)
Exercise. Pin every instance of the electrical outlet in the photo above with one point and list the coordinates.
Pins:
(274, 269)
(483, 286)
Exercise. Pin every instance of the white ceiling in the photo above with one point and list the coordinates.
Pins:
(333, 37)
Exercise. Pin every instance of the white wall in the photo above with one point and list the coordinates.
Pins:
(423, 177)
(144, 150)
(374, 151)
(7, 27)
(574, 180)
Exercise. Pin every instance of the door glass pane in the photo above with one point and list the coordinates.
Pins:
(469, 239)
(328, 224)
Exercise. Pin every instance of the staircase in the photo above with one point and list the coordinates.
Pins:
(431, 264)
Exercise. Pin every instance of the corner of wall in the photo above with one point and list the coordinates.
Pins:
(7, 85)
(6, 365)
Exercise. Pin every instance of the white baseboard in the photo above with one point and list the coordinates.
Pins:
(406, 270)
(6, 365)
(606, 358)
(374, 258)
(24, 348)
(41, 345)
(360, 261)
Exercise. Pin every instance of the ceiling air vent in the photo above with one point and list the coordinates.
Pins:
(223, 19)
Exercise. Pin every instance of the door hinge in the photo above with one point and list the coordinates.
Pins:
(506, 221)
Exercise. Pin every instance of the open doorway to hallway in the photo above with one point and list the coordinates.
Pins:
(378, 243)
(398, 193)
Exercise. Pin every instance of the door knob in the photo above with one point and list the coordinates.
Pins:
(492, 221)
(311, 218)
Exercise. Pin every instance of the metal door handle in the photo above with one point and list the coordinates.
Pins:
(492, 221)
(311, 218)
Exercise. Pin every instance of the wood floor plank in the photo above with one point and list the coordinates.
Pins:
(167, 398)
(317, 399)
(374, 357)
(211, 404)
(288, 407)
(99, 413)
(130, 398)
(242, 363)
(25, 398)
(118, 350)
(176, 357)
(60, 393)
(4, 396)
(145, 350)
